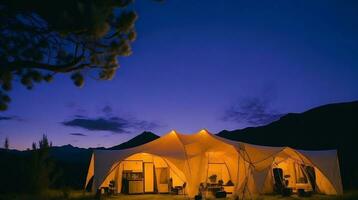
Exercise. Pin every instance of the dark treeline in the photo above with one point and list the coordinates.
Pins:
(36, 170)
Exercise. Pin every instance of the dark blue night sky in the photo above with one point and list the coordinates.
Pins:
(195, 65)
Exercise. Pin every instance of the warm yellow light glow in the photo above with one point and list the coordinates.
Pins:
(183, 160)
(203, 131)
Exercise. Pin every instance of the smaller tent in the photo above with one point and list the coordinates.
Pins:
(189, 161)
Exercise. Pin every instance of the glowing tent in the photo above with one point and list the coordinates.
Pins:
(188, 161)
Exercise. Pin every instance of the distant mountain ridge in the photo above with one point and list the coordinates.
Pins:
(67, 151)
(140, 139)
(77, 154)
(74, 161)
(294, 129)
(332, 126)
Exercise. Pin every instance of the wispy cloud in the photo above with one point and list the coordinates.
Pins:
(108, 121)
(113, 124)
(10, 118)
(78, 134)
(251, 111)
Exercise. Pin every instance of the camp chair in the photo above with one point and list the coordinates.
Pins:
(180, 189)
(172, 190)
(183, 191)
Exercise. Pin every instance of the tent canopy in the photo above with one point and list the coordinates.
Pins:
(191, 159)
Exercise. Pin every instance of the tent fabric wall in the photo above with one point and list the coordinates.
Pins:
(249, 166)
(90, 172)
(328, 165)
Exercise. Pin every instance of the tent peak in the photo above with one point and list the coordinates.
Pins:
(204, 131)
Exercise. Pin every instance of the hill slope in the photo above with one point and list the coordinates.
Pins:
(331, 126)
(140, 139)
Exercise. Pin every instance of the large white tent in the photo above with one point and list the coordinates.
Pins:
(193, 159)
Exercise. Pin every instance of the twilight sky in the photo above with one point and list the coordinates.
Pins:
(201, 64)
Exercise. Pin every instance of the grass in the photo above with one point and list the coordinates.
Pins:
(80, 195)
(349, 195)
(147, 197)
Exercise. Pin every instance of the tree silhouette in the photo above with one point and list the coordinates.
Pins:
(6, 143)
(34, 146)
(41, 38)
(44, 143)
(42, 166)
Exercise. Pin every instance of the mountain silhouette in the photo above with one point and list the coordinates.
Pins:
(331, 126)
(140, 139)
